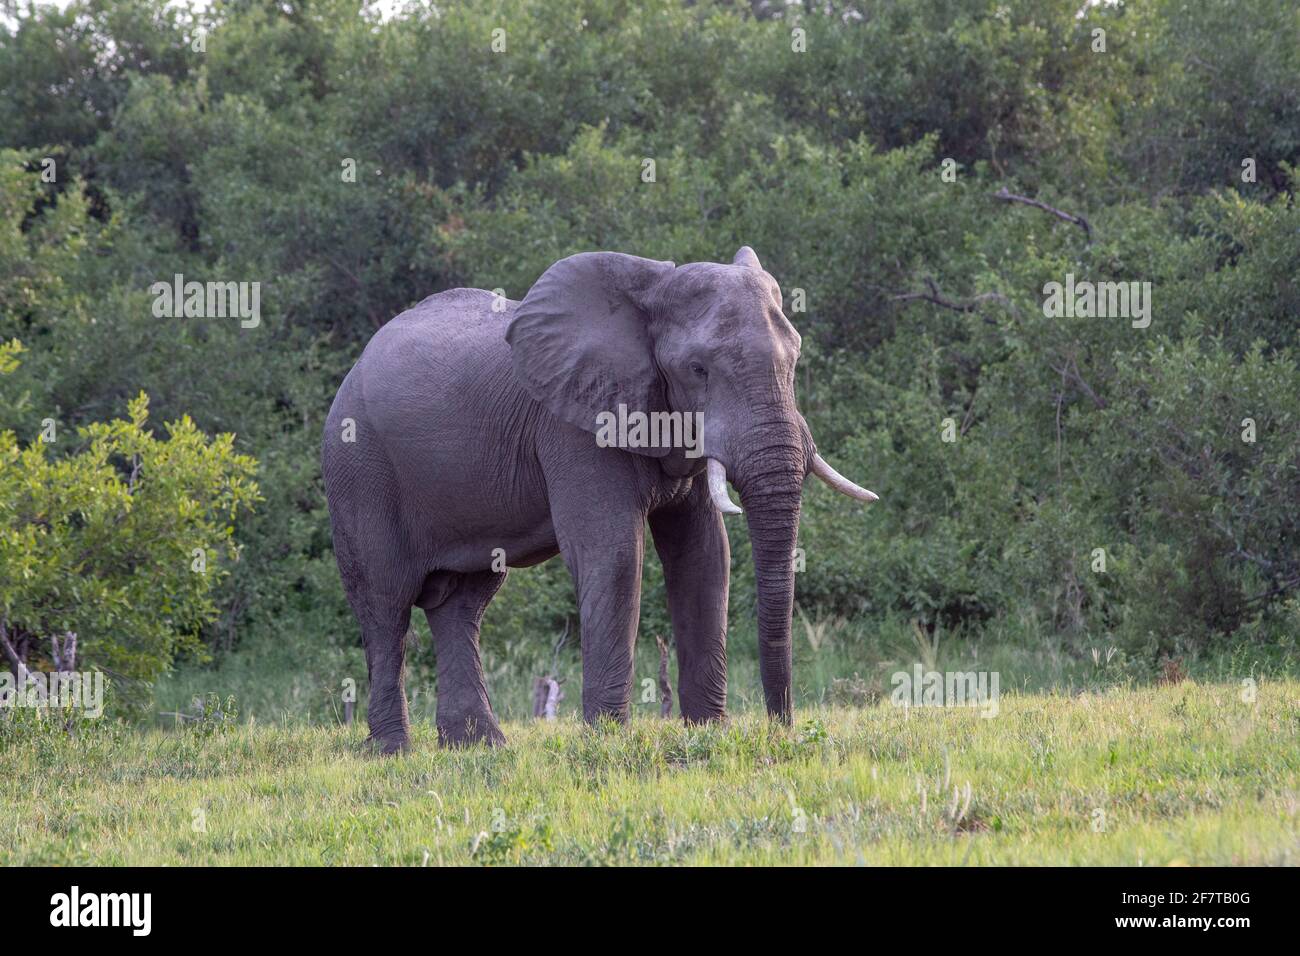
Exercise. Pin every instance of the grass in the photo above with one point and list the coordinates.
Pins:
(1182, 773)
(297, 679)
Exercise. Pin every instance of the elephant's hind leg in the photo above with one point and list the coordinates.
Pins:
(383, 632)
(464, 712)
(384, 618)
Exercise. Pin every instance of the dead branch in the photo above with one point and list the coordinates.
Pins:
(559, 646)
(547, 693)
(1060, 397)
(665, 688)
(546, 698)
(969, 417)
(20, 669)
(934, 297)
(1069, 370)
(541, 687)
(1286, 585)
(1061, 214)
(64, 653)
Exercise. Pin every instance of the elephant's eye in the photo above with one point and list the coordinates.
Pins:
(699, 370)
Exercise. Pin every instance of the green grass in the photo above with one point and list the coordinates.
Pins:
(1181, 773)
(295, 678)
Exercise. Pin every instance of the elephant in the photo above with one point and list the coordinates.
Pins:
(471, 437)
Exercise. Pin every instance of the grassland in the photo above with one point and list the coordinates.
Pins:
(1181, 773)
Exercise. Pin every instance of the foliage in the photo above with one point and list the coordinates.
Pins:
(226, 159)
(119, 541)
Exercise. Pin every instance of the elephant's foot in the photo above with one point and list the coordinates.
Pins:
(468, 730)
(389, 743)
(389, 736)
(708, 715)
(610, 710)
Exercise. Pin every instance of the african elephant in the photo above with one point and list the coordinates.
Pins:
(471, 428)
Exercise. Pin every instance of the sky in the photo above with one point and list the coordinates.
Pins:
(386, 8)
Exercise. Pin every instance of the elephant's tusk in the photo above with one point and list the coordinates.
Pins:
(718, 489)
(837, 481)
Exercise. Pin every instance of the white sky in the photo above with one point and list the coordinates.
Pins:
(385, 8)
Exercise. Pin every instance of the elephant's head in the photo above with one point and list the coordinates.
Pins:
(600, 330)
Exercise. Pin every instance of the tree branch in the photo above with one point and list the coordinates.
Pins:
(20, 669)
(1070, 370)
(65, 652)
(665, 687)
(1079, 221)
(934, 297)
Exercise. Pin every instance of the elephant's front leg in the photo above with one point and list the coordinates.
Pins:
(607, 576)
(696, 556)
(604, 555)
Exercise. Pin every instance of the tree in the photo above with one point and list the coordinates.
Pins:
(119, 543)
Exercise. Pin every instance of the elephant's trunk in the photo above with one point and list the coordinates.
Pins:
(770, 482)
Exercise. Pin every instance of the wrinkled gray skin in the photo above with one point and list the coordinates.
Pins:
(475, 430)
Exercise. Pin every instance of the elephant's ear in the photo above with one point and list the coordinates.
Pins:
(580, 340)
(747, 258)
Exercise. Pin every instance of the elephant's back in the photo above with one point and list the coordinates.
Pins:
(436, 401)
(438, 356)
(449, 333)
